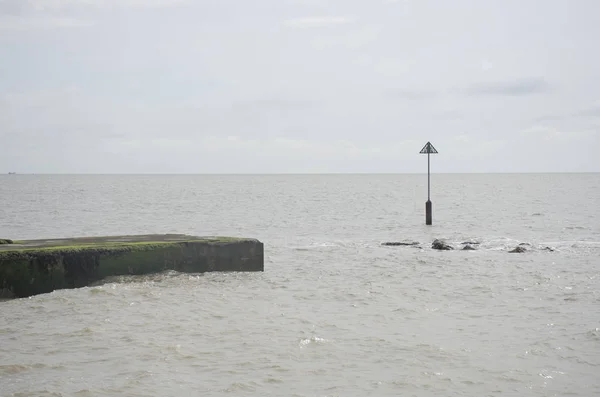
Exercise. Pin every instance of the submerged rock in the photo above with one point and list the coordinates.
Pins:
(519, 249)
(550, 249)
(470, 243)
(395, 243)
(441, 245)
(468, 247)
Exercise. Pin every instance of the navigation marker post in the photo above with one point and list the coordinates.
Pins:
(428, 149)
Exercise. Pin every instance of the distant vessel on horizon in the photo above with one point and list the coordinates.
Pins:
(12, 173)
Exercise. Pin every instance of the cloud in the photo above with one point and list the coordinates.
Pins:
(278, 103)
(305, 79)
(24, 15)
(67, 115)
(521, 87)
(540, 131)
(317, 22)
(48, 5)
(299, 147)
(462, 138)
(37, 22)
(486, 64)
(593, 111)
(586, 113)
(410, 94)
(13, 7)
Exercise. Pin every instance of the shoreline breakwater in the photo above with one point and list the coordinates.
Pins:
(34, 267)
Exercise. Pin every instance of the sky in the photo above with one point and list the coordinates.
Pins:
(299, 86)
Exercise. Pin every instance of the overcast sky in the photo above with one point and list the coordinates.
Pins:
(278, 86)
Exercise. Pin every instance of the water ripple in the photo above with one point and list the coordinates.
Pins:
(335, 313)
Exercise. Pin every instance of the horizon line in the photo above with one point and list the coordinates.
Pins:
(11, 173)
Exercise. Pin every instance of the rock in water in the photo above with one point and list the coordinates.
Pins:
(394, 243)
(468, 248)
(518, 250)
(440, 245)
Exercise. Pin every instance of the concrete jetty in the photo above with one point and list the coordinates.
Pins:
(39, 266)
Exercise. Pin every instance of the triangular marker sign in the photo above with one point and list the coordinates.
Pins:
(428, 148)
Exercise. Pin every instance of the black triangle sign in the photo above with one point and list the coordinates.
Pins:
(428, 148)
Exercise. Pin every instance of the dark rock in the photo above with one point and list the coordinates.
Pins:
(550, 249)
(470, 243)
(5, 241)
(519, 249)
(468, 248)
(395, 243)
(440, 245)
(524, 245)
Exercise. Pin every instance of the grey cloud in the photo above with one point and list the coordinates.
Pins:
(22, 15)
(313, 22)
(13, 7)
(582, 114)
(410, 94)
(257, 83)
(277, 103)
(592, 111)
(546, 118)
(90, 4)
(521, 87)
(43, 14)
(25, 23)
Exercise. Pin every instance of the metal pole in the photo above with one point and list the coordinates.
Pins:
(428, 180)
(429, 149)
(428, 205)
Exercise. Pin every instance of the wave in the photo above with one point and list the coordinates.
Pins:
(13, 369)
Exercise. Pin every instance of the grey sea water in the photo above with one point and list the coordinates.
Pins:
(335, 313)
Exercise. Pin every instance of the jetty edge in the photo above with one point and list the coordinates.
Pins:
(34, 267)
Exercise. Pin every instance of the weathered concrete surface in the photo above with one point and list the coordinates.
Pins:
(38, 266)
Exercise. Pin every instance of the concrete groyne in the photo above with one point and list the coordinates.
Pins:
(39, 266)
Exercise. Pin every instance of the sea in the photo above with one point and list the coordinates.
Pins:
(335, 313)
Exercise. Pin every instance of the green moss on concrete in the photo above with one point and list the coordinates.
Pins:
(83, 244)
(101, 247)
(32, 270)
